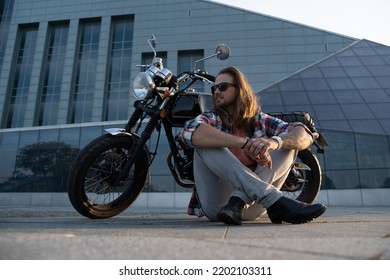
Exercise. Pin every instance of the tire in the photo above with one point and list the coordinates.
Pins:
(308, 188)
(91, 188)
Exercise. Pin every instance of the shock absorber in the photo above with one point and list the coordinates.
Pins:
(133, 118)
(139, 145)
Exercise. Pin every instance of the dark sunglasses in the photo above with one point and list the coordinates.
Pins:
(222, 87)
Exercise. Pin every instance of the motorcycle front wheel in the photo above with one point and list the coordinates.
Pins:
(304, 185)
(92, 181)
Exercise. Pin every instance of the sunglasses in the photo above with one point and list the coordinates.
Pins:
(222, 87)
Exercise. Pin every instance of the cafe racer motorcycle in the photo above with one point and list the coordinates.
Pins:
(110, 172)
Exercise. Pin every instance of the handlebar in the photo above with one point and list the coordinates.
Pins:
(207, 76)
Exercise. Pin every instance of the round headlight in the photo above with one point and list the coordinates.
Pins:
(143, 84)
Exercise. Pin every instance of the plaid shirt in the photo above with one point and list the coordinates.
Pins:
(265, 125)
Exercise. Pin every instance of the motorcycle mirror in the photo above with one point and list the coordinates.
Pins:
(152, 44)
(223, 52)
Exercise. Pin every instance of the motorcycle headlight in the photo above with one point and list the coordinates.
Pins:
(143, 84)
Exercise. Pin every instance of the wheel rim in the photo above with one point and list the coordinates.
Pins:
(99, 186)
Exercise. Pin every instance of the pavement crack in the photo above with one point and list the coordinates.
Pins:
(225, 233)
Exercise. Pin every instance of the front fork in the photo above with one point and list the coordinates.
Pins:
(139, 143)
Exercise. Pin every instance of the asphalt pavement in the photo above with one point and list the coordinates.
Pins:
(48, 233)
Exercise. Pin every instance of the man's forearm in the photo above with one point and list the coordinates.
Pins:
(296, 139)
(206, 136)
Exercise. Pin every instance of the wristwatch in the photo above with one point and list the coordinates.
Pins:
(280, 141)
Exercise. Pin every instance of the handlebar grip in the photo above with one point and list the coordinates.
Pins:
(207, 76)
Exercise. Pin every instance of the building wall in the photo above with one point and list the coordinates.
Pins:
(265, 48)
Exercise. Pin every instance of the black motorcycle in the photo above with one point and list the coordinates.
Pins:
(110, 172)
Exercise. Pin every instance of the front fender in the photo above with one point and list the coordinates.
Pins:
(118, 131)
(123, 132)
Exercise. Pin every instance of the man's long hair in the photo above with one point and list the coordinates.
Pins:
(247, 104)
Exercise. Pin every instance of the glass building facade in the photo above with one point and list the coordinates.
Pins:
(67, 67)
(348, 95)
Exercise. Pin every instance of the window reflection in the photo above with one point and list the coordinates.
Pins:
(372, 151)
(117, 104)
(38, 160)
(51, 88)
(341, 152)
(375, 178)
(341, 179)
(6, 8)
(22, 74)
(85, 73)
(186, 61)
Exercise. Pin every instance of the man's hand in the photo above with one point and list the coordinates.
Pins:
(258, 149)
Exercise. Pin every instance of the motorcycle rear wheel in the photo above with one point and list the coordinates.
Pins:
(91, 187)
(308, 188)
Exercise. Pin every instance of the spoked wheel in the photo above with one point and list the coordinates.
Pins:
(92, 182)
(303, 185)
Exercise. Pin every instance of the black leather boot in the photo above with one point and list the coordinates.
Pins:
(231, 213)
(294, 212)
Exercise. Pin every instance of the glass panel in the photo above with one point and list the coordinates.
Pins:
(8, 150)
(340, 83)
(357, 71)
(375, 178)
(371, 60)
(365, 83)
(321, 97)
(6, 8)
(348, 96)
(27, 161)
(315, 84)
(341, 125)
(373, 151)
(357, 111)
(341, 179)
(384, 81)
(333, 72)
(329, 112)
(87, 134)
(70, 136)
(271, 98)
(117, 103)
(291, 85)
(381, 111)
(186, 61)
(312, 72)
(51, 88)
(161, 183)
(341, 153)
(85, 73)
(349, 61)
(291, 98)
(22, 74)
(363, 50)
(367, 126)
(374, 96)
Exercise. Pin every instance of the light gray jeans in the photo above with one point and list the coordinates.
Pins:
(220, 175)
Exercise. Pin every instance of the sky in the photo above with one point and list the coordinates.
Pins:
(361, 19)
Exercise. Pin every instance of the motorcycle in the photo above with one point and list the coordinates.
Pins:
(110, 172)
